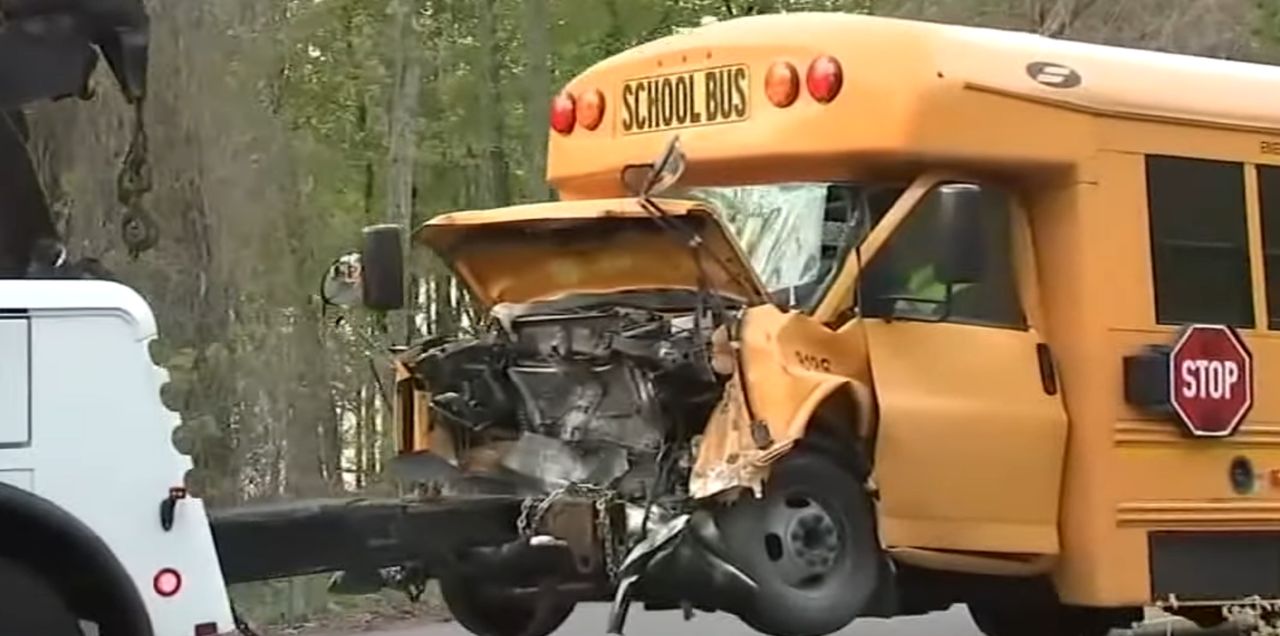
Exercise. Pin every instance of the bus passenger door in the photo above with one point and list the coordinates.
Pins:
(972, 433)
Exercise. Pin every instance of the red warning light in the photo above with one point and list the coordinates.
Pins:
(825, 78)
(167, 582)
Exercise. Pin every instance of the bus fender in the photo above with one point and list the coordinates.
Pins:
(736, 450)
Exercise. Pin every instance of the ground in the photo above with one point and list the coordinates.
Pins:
(589, 620)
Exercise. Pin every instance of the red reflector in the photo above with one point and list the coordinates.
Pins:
(591, 109)
(782, 84)
(207, 629)
(825, 78)
(167, 582)
(562, 113)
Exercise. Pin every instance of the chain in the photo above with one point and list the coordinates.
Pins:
(523, 526)
(605, 528)
(533, 509)
(137, 227)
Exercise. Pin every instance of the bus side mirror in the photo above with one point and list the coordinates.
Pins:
(963, 238)
(382, 265)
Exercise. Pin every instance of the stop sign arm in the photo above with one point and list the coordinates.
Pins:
(1146, 380)
(1204, 380)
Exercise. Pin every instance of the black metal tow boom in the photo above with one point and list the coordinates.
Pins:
(272, 541)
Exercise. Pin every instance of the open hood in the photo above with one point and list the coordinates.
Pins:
(544, 251)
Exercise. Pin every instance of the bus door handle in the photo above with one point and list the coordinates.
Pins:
(1048, 377)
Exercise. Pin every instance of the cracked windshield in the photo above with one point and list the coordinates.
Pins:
(778, 226)
(794, 233)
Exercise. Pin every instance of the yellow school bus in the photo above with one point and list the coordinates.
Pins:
(905, 314)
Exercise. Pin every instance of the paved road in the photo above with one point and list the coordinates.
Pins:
(589, 620)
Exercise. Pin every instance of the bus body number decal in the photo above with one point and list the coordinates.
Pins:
(813, 362)
(680, 100)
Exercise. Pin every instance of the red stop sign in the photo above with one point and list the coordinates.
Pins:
(1211, 380)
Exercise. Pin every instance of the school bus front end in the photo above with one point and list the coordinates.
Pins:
(845, 316)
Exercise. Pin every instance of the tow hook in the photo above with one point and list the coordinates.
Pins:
(169, 505)
(621, 605)
(634, 566)
(685, 562)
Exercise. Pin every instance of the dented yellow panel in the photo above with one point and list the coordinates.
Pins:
(790, 365)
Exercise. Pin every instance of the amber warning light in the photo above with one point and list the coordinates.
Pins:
(782, 84)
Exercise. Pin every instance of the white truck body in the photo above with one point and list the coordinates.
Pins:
(82, 427)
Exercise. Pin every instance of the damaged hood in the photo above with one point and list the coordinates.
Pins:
(544, 251)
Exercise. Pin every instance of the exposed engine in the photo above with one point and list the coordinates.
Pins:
(592, 394)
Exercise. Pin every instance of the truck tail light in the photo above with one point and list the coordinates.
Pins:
(591, 109)
(825, 78)
(782, 84)
(563, 115)
(167, 582)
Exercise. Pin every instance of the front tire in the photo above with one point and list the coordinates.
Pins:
(809, 544)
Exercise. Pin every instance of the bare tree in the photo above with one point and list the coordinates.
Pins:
(537, 41)
(490, 106)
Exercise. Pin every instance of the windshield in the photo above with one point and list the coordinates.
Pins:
(795, 233)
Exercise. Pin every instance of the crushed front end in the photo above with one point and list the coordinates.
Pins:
(585, 392)
(589, 408)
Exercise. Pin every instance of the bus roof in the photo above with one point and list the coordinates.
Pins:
(919, 89)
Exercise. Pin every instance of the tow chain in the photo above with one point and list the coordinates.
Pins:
(137, 227)
(532, 510)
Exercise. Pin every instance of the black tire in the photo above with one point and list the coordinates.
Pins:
(1047, 620)
(487, 612)
(1012, 620)
(31, 605)
(810, 545)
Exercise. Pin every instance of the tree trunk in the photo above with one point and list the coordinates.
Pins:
(495, 156)
(402, 139)
(537, 39)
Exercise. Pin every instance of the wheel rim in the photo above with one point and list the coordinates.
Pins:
(803, 541)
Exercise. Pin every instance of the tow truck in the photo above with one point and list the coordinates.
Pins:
(98, 531)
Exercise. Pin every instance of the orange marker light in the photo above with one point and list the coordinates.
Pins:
(563, 113)
(782, 84)
(825, 78)
(591, 109)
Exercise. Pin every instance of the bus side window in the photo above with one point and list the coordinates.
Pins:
(1199, 245)
(904, 270)
(1269, 193)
